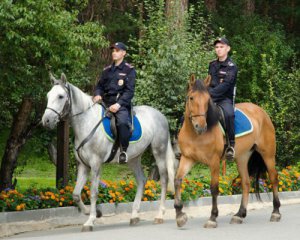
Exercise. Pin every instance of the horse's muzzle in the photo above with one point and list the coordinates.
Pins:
(200, 130)
(49, 121)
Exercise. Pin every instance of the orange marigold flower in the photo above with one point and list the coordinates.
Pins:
(18, 208)
(61, 191)
(145, 199)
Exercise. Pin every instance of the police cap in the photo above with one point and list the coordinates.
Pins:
(119, 45)
(221, 40)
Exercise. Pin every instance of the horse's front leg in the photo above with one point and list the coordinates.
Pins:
(135, 165)
(185, 166)
(80, 182)
(88, 225)
(214, 188)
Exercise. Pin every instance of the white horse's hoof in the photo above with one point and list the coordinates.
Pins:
(236, 220)
(210, 224)
(158, 221)
(275, 217)
(134, 221)
(181, 219)
(87, 229)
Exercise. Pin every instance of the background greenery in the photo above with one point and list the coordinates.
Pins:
(166, 45)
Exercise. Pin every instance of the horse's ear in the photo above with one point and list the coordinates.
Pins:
(207, 81)
(53, 80)
(63, 78)
(192, 81)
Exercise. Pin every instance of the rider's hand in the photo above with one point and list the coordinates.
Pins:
(115, 107)
(97, 98)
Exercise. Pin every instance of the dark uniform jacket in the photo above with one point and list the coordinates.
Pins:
(116, 84)
(223, 81)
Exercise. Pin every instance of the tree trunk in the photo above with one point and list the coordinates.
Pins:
(249, 7)
(176, 9)
(16, 139)
(211, 5)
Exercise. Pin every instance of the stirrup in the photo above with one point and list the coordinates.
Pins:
(230, 153)
(123, 158)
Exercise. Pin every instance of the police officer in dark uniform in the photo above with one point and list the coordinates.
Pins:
(223, 72)
(116, 89)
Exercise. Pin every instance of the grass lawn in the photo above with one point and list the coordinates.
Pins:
(43, 176)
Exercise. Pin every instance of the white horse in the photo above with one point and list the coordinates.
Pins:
(68, 101)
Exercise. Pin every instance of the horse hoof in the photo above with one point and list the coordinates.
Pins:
(134, 221)
(87, 229)
(236, 220)
(158, 221)
(210, 224)
(98, 213)
(275, 217)
(181, 219)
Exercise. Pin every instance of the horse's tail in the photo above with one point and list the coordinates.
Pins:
(256, 168)
(171, 166)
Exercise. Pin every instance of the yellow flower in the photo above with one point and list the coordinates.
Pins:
(122, 182)
(280, 189)
(221, 190)
(280, 183)
(18, 208)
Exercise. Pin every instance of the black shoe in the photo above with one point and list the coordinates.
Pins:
(123, 158)
(229, 153)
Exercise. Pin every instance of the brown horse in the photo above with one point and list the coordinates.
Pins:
(201, 140)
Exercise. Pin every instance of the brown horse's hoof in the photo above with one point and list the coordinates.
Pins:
(158, 221)
(210, 224)
(181, 219)
(98, 213)
(275, 217)
(134, 221)
(87, 229)
(236, 220)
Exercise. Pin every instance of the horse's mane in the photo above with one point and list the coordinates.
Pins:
(80, 97)
(212, 113)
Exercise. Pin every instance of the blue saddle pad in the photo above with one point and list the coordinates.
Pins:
(242, 124)
(135, 136)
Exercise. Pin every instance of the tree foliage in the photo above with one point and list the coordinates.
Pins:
(168, 52)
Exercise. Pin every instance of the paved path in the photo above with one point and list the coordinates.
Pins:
(255, 226)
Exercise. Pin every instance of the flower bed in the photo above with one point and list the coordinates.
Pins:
(124, 191)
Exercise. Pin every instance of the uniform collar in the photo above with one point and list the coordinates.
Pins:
(224, 63)
(120, 66)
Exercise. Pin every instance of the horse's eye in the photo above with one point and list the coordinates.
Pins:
(60, 96)
(191, 98)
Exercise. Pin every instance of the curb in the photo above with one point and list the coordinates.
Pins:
(111, 208)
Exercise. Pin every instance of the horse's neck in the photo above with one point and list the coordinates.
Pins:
(88, 115)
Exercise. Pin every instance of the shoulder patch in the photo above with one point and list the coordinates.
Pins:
(230, 64)
(107, 67)
(128, 65)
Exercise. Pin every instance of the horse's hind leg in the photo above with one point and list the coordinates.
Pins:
(242, 164)
(273, 175)
(185, 166)
(160, 158)
(135, 165)
(214, 187)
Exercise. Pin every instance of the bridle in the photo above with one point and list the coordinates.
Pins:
(196, 115)
(65, 113)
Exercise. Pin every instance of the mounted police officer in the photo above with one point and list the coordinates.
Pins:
(116, 89)
(223, 72)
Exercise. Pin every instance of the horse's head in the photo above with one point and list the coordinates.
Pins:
(58, 105)
(198, 103)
